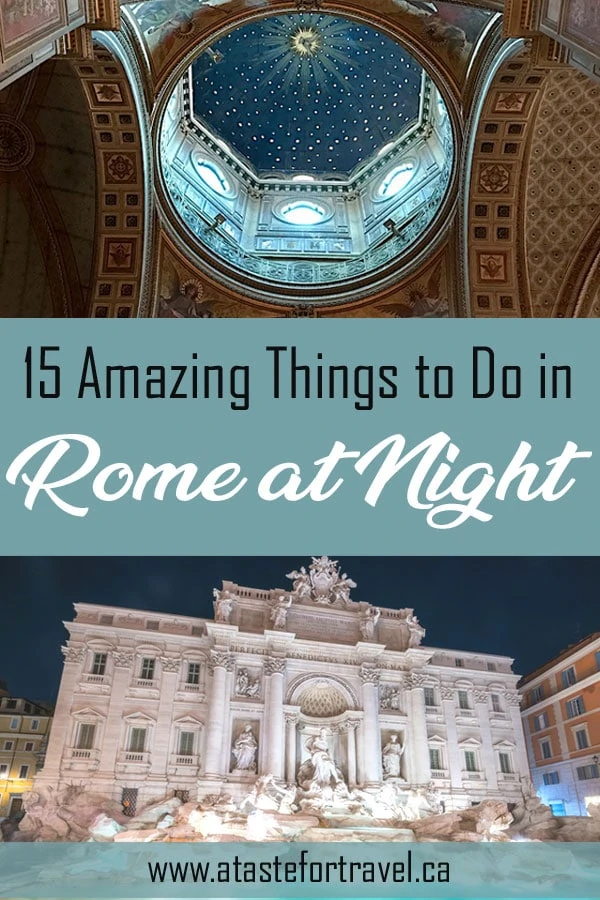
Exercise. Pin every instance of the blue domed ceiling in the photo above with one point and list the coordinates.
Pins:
(306, 92)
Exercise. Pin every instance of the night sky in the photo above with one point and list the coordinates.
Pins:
(526, 608)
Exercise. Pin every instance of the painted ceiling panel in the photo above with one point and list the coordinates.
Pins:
(306, 92)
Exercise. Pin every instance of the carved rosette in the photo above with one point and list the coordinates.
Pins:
(169, 664)
(447, 692)
(17, 145)
(369, 674)
(513, 698)
(274, 665)
(122, 660)
(220, 659)
(73, 654)
(480, 696)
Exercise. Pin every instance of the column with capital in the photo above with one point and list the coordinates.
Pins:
(417, 730)
(369, 676)
(169, 669)
(291, 720)
(60, 732)
(221, 663)
(274, 718)
(455, 766)
(122, 661)
(487, 747)
(513, 702)
(350, 727)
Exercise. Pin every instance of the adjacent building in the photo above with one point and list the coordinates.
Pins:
(24, 730)
(157, 704)
(561, 719)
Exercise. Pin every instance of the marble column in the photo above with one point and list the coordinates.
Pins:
(350, 728)
(290, 744)
(360, 756)
(221, 662)
(455, 764)
(417, 730)
(274, 699)
(513, 703)
(62, 723)
(369, 676)
(488, 754)
(169, 668)
(112, 743)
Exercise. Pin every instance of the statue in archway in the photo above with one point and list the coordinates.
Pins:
(391, 756)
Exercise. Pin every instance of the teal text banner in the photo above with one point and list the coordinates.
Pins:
(296, 437)
(358, 870)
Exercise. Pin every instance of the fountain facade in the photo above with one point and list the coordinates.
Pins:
(295, 701)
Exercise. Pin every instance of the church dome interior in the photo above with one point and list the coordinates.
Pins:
(300, 158)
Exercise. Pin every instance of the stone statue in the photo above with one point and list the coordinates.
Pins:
(368, 623)
(416, 632)
(323, 582)
(279, 612)
(223, 605)
(391, 755)
(342, 589)
(246, 686)
(300, 583)
(244, 750)
(319, 774)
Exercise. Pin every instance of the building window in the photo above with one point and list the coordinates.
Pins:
(29, 746)
(551, 778)
(496, 705)
(537, 694)
(429, 696)
(137, 740)
(11, 704)
(14, 724)
(575, 707)
(581, 739)
(193, 673)
(23, 772)
(569, 677)
(85, 736)
(470, 761)
(540, 722)
(35, 724)
(99, 664)
(459, 663)
(435, 758)
(212, 176)
(147, 671)
(505, 766)
(584, 773)
(8, 745)
(598, 660)
(303, 212)
(546, 748)
(557, 807)
(396, 180)
(3, 770)
(186, 743)
(463, 700)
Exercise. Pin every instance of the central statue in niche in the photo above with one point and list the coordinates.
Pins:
(319, 773)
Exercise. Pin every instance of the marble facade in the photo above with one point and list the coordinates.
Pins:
(301, 685)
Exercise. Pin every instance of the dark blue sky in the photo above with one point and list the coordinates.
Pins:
(527, 608)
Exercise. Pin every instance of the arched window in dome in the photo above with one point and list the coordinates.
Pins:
(396, 180)
(303, 212)
(212, 176)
